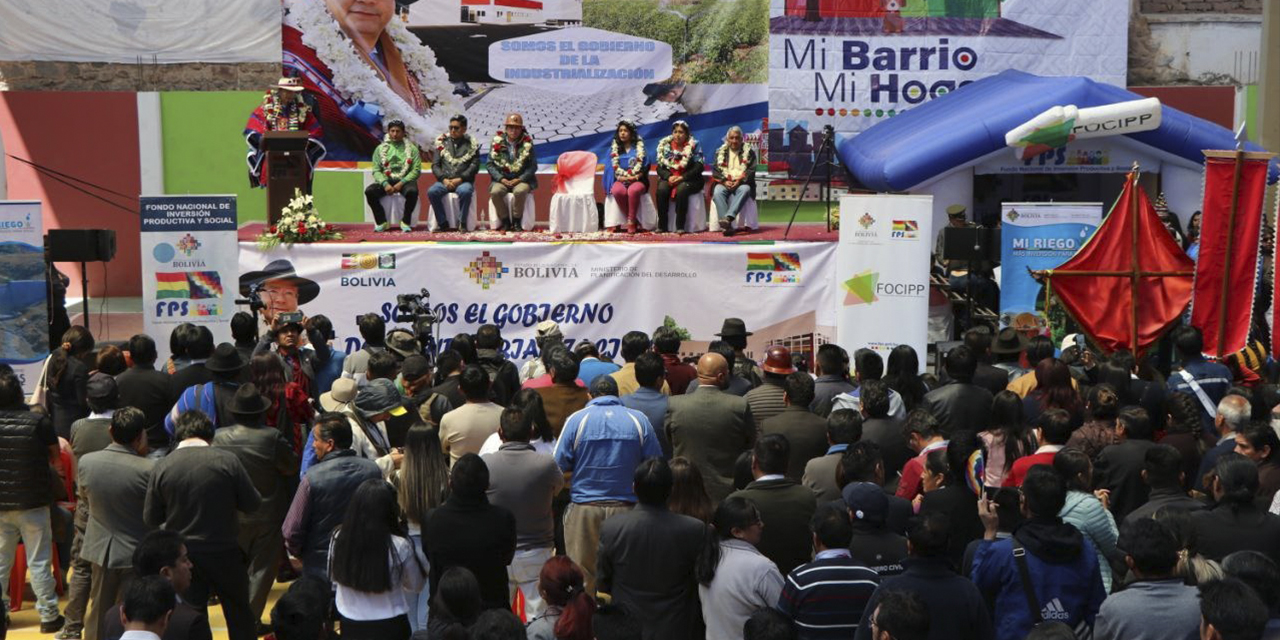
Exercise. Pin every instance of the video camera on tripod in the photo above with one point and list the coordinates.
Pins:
(415, 309)
(254, 300)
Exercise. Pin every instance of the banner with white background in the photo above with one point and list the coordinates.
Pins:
(24, 312)
(882, 271)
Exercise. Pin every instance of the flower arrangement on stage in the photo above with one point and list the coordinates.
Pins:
(298, 222)
(448, 157)
(357, 78)
(746, 154)
(635, 169)
(498, 152)
(676, 161)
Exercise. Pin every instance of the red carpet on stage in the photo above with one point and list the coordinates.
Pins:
(800, 232)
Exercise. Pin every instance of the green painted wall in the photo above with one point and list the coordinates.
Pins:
(1251, 110)
(204, 153)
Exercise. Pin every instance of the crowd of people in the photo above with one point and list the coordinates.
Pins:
(1047, 495)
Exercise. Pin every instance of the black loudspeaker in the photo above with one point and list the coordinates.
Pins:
(81, 245)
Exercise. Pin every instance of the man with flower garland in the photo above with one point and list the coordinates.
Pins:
(735, 176)
(396, 167)
(283, 108)
(514, 169)
(455, 166)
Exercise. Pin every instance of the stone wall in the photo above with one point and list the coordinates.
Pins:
(1201, 6)
(106, 76)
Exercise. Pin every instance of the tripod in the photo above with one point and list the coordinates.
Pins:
(828, 147)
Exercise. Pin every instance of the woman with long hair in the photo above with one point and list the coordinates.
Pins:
(947, 491)
(290, 411)
(680, 164)
(1183, 431)
(1086, 509)
(1193, 567)
(688, 492)
(1007, 439)
(1099, 429)
(67, 380)
(423, 484)
(456, 605)
(902, 374)
(1054, 390)
(569, 606)
(1237, 522)
(626, 174)
(376, 570)
(734, 578)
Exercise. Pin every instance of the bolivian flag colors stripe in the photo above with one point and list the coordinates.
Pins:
(773, 262)
(172, 285)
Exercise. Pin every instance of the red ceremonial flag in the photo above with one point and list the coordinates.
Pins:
(1097, 284)
(1227, 269)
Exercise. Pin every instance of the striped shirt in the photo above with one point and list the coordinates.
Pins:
(826, 597)
(766, 401)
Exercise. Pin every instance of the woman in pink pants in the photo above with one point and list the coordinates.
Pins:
(626, 175)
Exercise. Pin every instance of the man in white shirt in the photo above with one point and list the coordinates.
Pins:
(148, 603)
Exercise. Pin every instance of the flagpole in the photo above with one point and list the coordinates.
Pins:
(1134, 269)
(1231, 228)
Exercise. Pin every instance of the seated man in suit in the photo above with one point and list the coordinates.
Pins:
(113, 482)
(164, 554)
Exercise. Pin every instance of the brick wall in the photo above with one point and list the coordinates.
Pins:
(1201, 6)
(105, 76)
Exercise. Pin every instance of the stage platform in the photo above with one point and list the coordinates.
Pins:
(359, 233)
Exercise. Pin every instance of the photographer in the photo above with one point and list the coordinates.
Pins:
(300, 365)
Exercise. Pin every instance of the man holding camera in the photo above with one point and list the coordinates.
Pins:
(286, 338)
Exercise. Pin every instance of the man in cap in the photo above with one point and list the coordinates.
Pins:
(397, 163)
(455, 167)
(374, 404)
(955, 218)
(321, 500)
(873, 544)
(87, 435)
(545, 334)
(283, 108)
(210, 523)
(734, 333)
(272, 465)
(767, 399)
(513, 166)
(280, 288)
(414, 385)
(214, 397)
(113, 486)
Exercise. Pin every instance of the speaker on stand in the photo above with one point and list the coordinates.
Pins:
(81, 245)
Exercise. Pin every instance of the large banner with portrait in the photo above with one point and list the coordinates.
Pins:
(572, 68)
(140, 32)
(189, 264)
(24, 311)
(882, 271)
(853, 63)
(1035, 236)
(596, 292)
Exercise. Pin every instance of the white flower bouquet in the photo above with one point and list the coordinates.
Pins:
(298, 222)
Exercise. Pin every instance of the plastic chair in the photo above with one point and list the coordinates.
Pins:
(573, 206)
(696, 221)
(451, 212)
(748, 216)
(18, 575)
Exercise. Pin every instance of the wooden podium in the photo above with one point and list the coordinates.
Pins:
(287, 169)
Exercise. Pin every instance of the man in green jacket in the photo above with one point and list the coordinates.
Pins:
(396, 167)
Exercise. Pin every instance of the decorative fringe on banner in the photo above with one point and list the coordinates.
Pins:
(1227, 269)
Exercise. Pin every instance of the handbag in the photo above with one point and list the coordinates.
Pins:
(40, 397)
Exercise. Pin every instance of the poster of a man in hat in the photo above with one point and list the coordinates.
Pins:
(284, 108)
(280, 287)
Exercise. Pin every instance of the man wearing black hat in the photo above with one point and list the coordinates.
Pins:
(273, 467)
(734, 333)
(1006, 350)
(375, 403)
(280, 287)
(213, 397)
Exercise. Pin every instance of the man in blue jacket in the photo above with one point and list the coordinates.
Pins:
(1060, 565)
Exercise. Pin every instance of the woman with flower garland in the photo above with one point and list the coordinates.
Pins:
(455, 167)
(361, 67)
(514, 169)
(679, 174)
(735, 176)
(626, 176)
